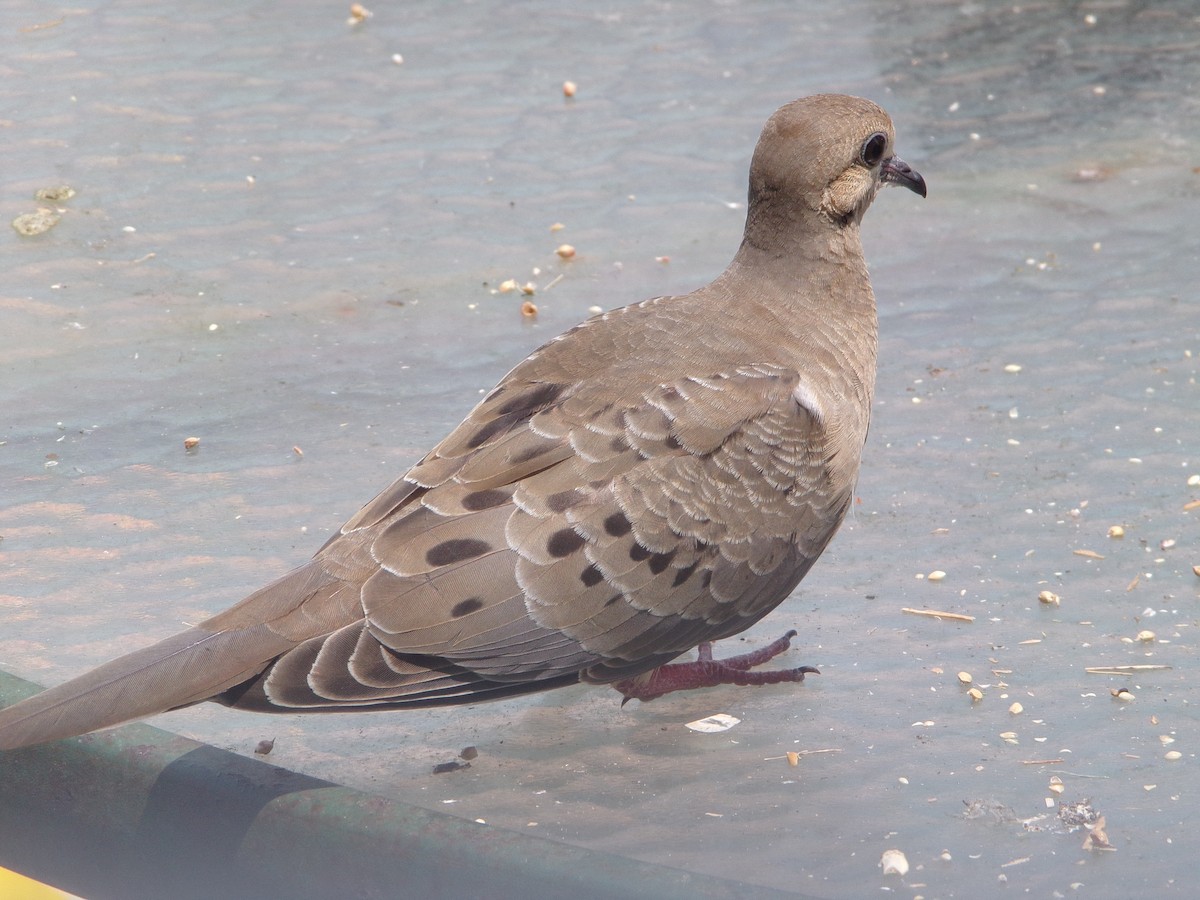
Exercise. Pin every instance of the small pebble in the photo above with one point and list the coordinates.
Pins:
(529, 309)
(36, 223)
(1145, 636)
(1049, 597)
(1093, 173)
(569, 88)
(936, 575)
(1172, 755)
(1116, 531)
(964, 678)
(894, 862)
(191, 443)
(565, 251)
(265, 747)
(55, 194)
(1016, 709)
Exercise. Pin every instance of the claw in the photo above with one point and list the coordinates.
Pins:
(708, 672)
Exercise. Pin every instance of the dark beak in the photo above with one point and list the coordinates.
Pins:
(897, 171)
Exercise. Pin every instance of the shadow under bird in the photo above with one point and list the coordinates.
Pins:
(659, 477)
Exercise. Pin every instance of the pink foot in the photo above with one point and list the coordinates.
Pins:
(708, 672)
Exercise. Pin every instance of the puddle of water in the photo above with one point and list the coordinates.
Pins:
(284, 239)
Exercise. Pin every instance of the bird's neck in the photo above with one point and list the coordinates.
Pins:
(817, 295)
(823, 274)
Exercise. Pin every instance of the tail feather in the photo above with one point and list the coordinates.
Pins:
(179, 671)
(183, 669)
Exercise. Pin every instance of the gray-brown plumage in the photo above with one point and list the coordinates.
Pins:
(659, 477)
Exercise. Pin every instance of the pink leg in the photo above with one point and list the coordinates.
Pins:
(708, 672)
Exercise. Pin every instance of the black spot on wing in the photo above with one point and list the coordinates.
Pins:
(659, 561)
(487, 499)
(591, 576)
(617, 525)
(637, 552)
(564, 542)
(684, 574)
(463, 607)
(489, 431)
(455, 551)
(531, 401)
(514, 410)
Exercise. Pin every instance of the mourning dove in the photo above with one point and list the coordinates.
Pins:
(659, 477)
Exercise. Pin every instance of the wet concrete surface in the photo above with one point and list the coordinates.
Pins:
(283, 238)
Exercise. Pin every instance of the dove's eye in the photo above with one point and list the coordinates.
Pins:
(873, 147)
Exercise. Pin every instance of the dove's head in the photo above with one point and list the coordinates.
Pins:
(820, 162)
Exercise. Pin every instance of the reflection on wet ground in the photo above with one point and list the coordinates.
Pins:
(286, 242)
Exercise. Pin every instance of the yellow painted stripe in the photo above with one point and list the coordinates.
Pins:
(14, 886)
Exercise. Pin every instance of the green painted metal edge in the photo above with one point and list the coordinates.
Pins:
(139, 812)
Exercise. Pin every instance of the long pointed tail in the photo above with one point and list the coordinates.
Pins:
(180, 670)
